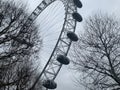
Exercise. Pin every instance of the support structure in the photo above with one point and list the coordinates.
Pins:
(59, 55)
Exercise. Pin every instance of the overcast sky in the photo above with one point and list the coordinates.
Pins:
(66, 76)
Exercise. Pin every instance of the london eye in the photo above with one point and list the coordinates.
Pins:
(58, 57)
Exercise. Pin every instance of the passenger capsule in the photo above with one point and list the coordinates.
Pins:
(72, 36)
(77, 3)
(49, 84)
(77, 17)
(63, 59)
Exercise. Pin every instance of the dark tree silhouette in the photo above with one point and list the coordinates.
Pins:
(97, 54)
(17, 54)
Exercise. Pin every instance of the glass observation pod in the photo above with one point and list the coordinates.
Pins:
(72, 36)
(63, 59)
(77, 3)
(77, 16)
(49, 84)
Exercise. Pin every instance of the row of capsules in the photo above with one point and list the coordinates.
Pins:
(50, 84)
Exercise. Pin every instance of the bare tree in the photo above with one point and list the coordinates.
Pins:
(97, 54)
(17, 53)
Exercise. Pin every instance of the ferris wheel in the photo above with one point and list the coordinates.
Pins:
(67, 35)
